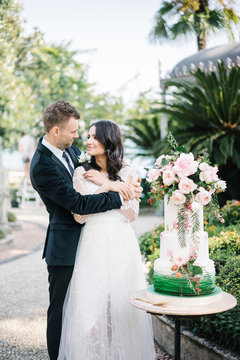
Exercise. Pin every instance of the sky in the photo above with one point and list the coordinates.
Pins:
(121, 60)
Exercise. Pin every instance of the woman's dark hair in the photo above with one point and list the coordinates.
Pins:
(109, 135)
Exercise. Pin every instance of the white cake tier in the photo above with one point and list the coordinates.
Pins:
(162, 267)
(171, 211)
(172, 253)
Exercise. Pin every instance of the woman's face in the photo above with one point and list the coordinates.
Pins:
(94, 147)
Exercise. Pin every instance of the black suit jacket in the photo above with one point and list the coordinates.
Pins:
(53, 182)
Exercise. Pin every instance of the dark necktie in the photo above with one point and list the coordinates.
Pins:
(68, 162)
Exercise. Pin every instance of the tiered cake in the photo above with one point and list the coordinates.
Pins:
(184, 268)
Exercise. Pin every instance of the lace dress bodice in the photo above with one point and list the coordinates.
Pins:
(129, 209)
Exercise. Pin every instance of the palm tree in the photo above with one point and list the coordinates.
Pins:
(145, 133)
(205, 115)
(192, 17)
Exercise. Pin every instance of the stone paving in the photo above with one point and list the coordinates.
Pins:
(24, 287)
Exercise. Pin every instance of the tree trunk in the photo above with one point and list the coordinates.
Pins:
(201, 42)
(202, 37)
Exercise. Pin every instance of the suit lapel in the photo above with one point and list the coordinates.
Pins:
(54, 158)
(47, 152)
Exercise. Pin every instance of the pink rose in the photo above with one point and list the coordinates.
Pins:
(179, 261)
(178, 198)
(152, 174)
(174, 268)
(168, 177)
(209, 175)
(186, 185)
(179, 275)
(185, 165)
(203, 197)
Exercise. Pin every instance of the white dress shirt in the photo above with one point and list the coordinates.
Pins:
(58, 153)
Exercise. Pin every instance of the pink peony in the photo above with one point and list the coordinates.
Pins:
(178, 198)
(186, 185)
(152, 174)
(185, 165)
(209, 175)
(204, 196)
(168, 177)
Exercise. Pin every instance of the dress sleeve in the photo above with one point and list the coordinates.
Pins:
(78, 184)
(78, 180)
(130, 208)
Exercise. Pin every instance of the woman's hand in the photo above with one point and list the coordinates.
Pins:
(95, 176)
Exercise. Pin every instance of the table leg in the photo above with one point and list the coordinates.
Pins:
(177, 340)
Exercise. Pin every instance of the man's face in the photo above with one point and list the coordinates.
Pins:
(67, 133)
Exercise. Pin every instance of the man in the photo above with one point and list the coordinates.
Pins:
(51, 176)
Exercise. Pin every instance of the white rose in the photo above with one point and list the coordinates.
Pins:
(158, 162)
(221, 185)
(201, 176)
(168, 177)
(210, 175)
(203, 197)
(186, 185)
(178, 197)
(203, 166)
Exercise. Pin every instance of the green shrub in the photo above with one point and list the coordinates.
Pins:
(150, 241)
(2, 234)
(154, 256)
(11, 217)
(229, 275)
(223, 246)
(231, 212)
(223, 328)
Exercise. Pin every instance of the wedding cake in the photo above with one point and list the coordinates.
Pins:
(184, 269)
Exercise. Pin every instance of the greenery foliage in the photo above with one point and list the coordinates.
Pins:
(11, 217)
(2, 234)
(34, 73)
(204, 115)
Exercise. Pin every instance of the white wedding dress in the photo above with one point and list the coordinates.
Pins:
(98, 321)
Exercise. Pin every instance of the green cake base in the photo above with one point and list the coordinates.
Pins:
(155, 296)
(172, 285)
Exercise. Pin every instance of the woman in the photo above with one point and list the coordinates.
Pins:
(98, 322)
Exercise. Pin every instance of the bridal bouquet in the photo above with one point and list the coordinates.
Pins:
(183, 178)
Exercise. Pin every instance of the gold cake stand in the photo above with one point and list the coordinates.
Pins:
(141, 301)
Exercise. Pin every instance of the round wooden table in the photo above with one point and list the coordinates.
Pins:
(141, 301)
